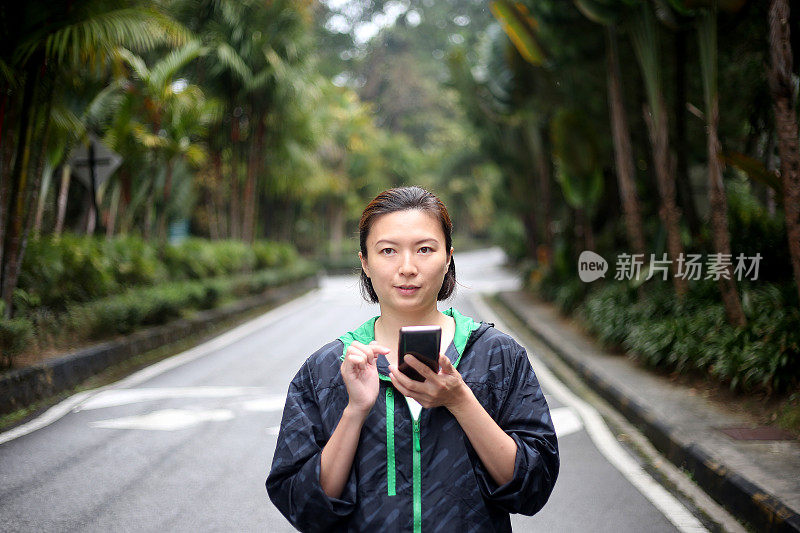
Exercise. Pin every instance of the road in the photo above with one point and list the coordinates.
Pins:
(186, 445)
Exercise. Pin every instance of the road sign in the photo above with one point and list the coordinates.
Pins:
(93, 157)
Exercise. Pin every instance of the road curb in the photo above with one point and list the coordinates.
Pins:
(741, 497)
(24, 387)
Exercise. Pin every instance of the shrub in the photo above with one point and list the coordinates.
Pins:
(15, 335)
(124, 313)
(70, 269)
(693, 335)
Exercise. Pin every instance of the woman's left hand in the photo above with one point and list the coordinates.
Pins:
(445, 388)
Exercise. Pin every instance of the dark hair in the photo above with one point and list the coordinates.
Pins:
(403, 199)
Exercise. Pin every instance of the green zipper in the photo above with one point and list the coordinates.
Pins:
(390, 465)
(417, 480)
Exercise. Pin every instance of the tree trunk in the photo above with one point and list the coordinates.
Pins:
(583, 229)
(90, 223)
(543, 254)
(235, 217)
(720, 233)
(22, 212)
(253, 167)
(644, 37)
(147, 222)
(784, 106)
(623, 153)
(13, 241)
(6, 160)
(62, 200)
(162, 216)
(337, 221)
(47, 179)
(685, 195)
(531, 231)
(669, 213)
(111, 223)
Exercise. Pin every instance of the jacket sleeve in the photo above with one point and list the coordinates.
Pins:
(525, 417)
(293, 482)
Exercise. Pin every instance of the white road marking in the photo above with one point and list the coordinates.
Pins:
(565, 421)
(165, 420)
(268, 403)
(115, 397)
(66, 406)
(604, 440)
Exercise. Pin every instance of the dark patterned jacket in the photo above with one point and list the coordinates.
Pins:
(423, 475)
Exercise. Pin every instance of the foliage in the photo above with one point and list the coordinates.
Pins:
(694, 336)
(123, 313)
(15, 336)
(138, 307)
(58, 272)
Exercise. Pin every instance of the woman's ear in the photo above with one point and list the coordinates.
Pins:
(449, 259)
(363, 263)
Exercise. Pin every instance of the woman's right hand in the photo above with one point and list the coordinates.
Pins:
(360, 374)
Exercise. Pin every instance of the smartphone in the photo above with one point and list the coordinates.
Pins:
(423, 342)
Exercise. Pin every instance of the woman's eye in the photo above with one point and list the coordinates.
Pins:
(425, 249)
(387, 251)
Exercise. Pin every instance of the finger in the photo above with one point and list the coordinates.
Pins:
(399, 386)
(423, 369)
(445, 364)
(357, 360)
(359, 346)
(400, 378)
(378, 348)
(356, 350)
(376, 345)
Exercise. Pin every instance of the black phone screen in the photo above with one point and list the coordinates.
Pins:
(423, 342)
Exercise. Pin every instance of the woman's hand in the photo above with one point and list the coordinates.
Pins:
(445, 388)
(360, 374)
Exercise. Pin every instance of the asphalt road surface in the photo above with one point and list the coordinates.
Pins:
(186, 445)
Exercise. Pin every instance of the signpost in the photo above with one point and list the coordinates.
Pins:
(93, 163)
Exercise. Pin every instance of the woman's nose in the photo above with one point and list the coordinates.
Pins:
(407, 266)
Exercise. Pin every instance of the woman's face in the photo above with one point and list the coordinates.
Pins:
(406, 259)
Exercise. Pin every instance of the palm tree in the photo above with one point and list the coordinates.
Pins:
(173, 111)
(784, 104)
(44, 38)
(518, 124)
(705, 13)
(610, 15)
(255, 67)
(579, 168)
(644, 37)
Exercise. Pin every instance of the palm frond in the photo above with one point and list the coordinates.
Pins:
(8, 76)
(162, 73)
(67, 121)
(136, 28)
(233, 62)
(104, 104)
(135, 62)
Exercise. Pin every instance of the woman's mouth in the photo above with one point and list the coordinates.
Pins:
(406, 290)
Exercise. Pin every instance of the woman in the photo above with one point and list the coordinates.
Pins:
(476, 442)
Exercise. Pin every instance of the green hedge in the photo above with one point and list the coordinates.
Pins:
(15, 335)
(694, 335)
(126, 312)
(138, 307)
(74, 289)
(59, 271)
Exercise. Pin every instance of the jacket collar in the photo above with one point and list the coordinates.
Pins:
(365, 334)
